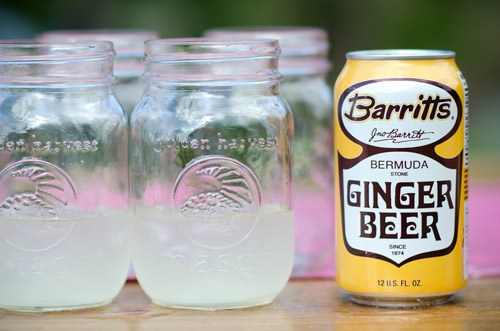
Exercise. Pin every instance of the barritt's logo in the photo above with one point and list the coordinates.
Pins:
(427, 108)
(399, 112)
(400, 200)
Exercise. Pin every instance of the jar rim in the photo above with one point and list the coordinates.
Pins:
(128, 43)
(202, 49)
(208, 61)
(37, 51)
(294, 40)
(43, 63)
(129, 33)
(211, 41)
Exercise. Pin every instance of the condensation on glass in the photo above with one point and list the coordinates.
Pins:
(304, 63)
(64, 222)
(211, 175)
(128, 66)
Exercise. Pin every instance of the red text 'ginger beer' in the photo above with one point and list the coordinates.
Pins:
(401, 177)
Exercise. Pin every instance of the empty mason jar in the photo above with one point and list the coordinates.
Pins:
(304, 62)
(128, 66)
(211, 175)
(64, 221)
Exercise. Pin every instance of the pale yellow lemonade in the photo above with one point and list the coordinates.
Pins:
(185, 266)
(51, 264)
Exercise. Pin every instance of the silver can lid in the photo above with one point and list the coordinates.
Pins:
(400, 54)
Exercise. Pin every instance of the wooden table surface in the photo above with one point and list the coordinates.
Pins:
(303, 305)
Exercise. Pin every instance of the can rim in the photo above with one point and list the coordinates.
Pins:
(400, 54)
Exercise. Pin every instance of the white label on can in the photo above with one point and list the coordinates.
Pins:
(400, 200)
(409, 213)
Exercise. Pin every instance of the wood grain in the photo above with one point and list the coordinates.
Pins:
(303, 305)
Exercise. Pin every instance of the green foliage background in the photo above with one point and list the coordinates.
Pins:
(470, 28)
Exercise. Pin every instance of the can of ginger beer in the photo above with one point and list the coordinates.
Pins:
(401, 147)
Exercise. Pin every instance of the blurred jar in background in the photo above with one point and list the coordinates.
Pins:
(304, 63)
(211, 175)
(128, 66)
(64, 220)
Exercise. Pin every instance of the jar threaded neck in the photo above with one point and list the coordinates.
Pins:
(208, 61)
(33, 62)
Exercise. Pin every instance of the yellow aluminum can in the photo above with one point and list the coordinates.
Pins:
(401, 148)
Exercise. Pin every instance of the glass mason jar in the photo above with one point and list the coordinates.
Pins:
(211, 175)
(304, 62)
(64, 221)
(128, 66)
